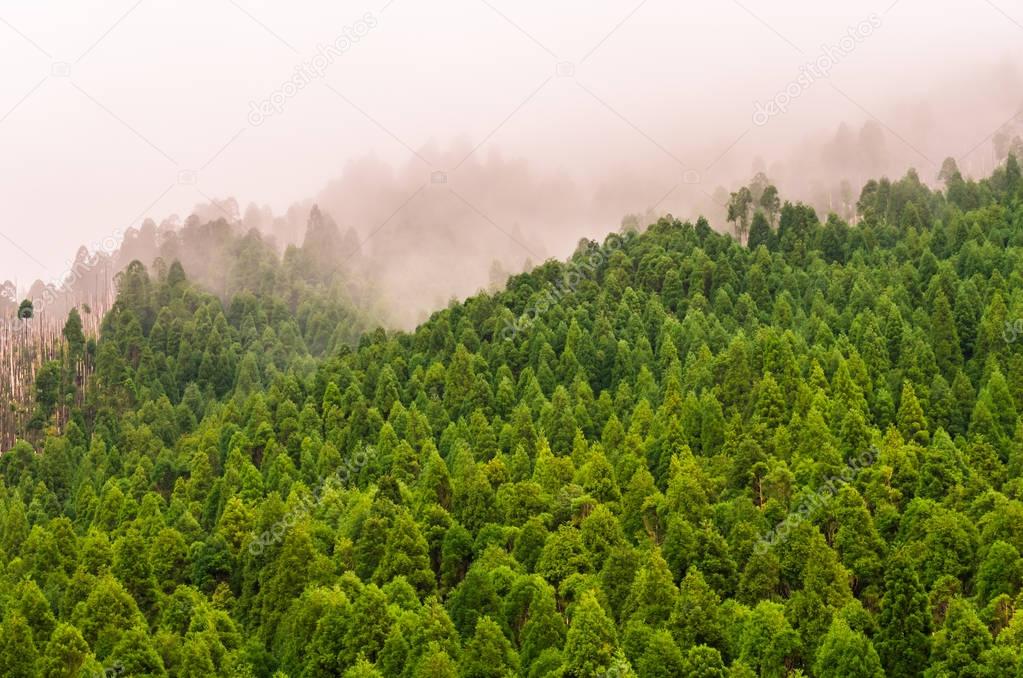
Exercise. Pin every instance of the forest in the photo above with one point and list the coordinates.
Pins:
(797, 451)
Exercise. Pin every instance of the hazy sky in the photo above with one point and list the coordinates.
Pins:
(117, 110)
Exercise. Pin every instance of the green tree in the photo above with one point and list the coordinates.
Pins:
(760, 233)
(959, 644)
(591, 640)
(768, 644)
(73, 334)
(18, 654)
(1001, 572)
(738, 212)
(137, 656)
(488, 654)
(368, 636)
(34, 608)
(705, 662)
(903, 640)
(65, 653)
(912, 424)
(406, 555)
(545, 627)
(695, 620)
(846, 654)
(653, 594)
(944, 338)
(131, 566)
(436, 663)
(662, 658)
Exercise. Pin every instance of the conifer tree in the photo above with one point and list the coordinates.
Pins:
(662, 658)
(846, 654)
(959, 644)
(545, 627)
(944, 338)
(18, 653)
(912, 424)
(65, 653)
(591, 641)
(406, 555)
(488, 654)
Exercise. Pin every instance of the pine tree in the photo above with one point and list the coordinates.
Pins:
(407, 555)
(35, 610)
(73, 334)
(367, 637)
(857, 540)
(131, 566)
(959, 644)
(591, 640)
(844, 653)
(706, 662)
(769, 645)
(944, 338)
(912, 424)
(653, 594)
(545, 627)
(436, 663)
(362, 669)
(1001, 572)
(65, 653)
(18, 654)
(695, 620)
(662, 658)
(434, 626)
(473, 598)
(196, 659)
(137, 656)
(488, 654)
(106, 612)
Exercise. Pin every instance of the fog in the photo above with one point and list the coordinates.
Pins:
(448, 136)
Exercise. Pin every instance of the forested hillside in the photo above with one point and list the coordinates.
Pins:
(312, 291)
(676, 454)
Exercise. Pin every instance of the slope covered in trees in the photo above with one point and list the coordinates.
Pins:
(672, 455)
(51, 344)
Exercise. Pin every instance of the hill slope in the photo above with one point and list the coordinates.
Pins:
(671, 455)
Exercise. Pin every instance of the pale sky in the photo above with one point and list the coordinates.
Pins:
(114, 111)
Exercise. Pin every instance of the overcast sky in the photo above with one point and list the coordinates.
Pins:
(114, 111)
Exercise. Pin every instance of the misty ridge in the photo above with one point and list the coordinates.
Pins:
(498, 338)
(399, 241)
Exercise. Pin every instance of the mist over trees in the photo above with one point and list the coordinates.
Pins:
(495, 214)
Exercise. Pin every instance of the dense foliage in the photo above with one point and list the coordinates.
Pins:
(703, 459)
